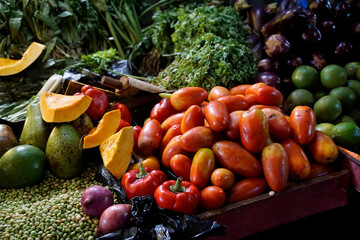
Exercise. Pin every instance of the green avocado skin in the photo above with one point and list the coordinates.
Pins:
(22, 166)
(35, 131)
(64, 153)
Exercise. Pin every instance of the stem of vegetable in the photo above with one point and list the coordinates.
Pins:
(124, 74)
(177, 188)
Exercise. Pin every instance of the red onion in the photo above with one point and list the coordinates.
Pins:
(95, 200)
(114, 218)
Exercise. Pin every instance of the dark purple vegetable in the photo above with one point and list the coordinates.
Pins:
(283, 5)
(343, 13)
(318, 60)
(258, 49)
(269, 78)
(268, 65)
(343, 52)
(328, 28)
(311, 35)
(294, 61)
(95, 199)
(114, 218)
(256, 18)
(322, 8)
(277, 46)
(285, 21)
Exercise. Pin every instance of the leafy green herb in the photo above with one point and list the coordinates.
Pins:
(209, 46)
(95, 62)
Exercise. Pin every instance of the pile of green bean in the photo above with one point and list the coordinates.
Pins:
(49, 210)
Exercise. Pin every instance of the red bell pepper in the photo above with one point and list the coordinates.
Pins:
(125, 112)
(99, 103)
(180, 196)
(142, 181)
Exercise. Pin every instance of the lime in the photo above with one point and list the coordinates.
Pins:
(346, 134)
(300, 97)
(355, 114)
(358, 74)
(327, 108)
(354, 85)
(332, 76)
(320, 92)
(344, 118)
(345, 95)
(351, 69)
(326, 128)
(305, 76)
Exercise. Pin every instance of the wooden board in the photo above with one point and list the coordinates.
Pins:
(298, 201)
(351, 161)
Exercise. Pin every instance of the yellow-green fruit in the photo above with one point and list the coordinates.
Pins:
(35, 130)
(327, 108)
(346, 134)
(326, 128)
(21, 166)
(333, 76)
(64, 152)
(351, 69)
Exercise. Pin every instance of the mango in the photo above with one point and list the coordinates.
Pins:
(21, 166)
(35, 130)
(64, 152)
(83, 124)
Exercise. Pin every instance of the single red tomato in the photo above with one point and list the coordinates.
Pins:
(212, 197)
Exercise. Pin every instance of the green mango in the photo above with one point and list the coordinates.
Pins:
(64, 152)
(21, 166)
(35, 130)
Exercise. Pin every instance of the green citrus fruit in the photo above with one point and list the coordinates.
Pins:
(305, 76)
(354, 85)
(300, 97)
(358, 74)
(344, 118)
(345, 95)
(346, 134)
(355, 114)
(351, 69)
(327, 108)
(332, 76)
(326, 128)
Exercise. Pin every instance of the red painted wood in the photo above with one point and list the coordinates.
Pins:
(264, 212)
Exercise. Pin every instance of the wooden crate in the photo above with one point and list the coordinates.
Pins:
(298, 201)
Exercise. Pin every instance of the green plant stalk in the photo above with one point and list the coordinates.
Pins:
(117, 43)
(155, 5)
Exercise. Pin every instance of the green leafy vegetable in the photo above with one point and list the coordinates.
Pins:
(208, 45)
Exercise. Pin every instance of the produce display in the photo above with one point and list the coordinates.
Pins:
(259, 98)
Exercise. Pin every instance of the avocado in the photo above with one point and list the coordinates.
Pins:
(21, 166)
(7, 138)
(64, 152)
(35, 130)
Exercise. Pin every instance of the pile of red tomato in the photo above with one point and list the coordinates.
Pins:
(231, 145)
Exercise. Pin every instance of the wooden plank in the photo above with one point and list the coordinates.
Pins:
(298, 201)
(351, 161)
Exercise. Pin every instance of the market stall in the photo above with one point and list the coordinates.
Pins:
(191, 120)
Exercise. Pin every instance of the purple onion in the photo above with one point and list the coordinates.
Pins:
(95, 200)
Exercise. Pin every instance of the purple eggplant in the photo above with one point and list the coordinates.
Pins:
(269, 78)
(328, 29)
(318, 60)
(294, 61)
(267, 65)
(311, 35)
(283, 5)
(277, 46)
(256, 18)
(322, 8)
(343, 13)
(343, 52)
(284, 21)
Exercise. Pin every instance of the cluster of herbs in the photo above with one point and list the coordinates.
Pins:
(205, 46)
